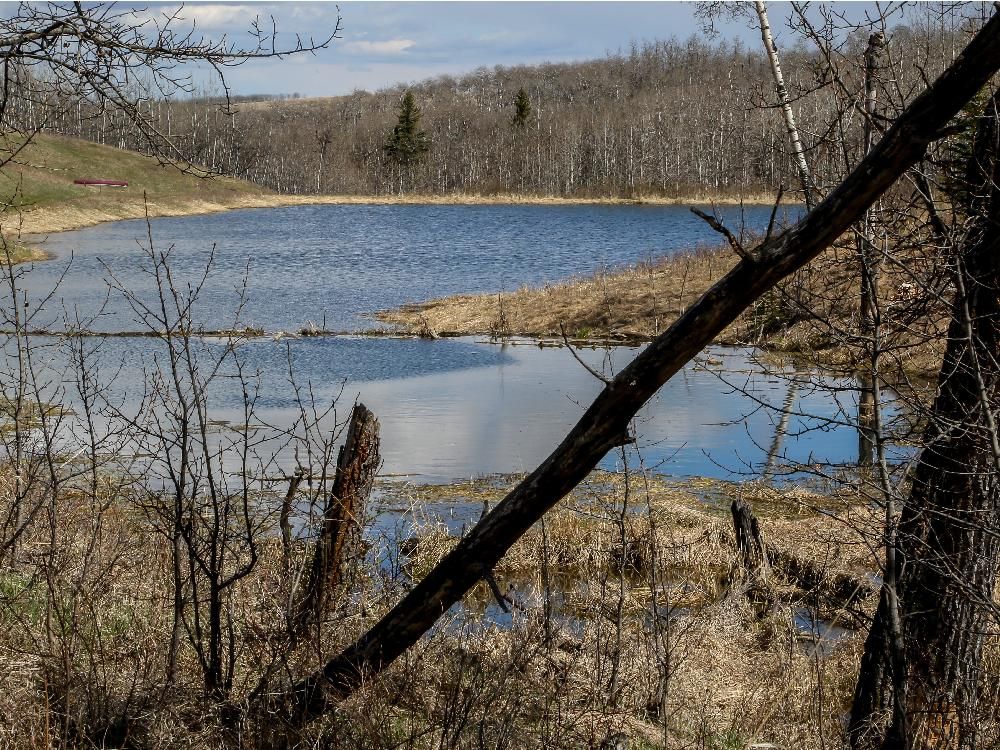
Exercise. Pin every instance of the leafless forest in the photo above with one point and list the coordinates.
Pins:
(665, 118)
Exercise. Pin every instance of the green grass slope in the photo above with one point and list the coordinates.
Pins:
(38, 193)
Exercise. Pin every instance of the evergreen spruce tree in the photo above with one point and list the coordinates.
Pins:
(522, 110)
(407, 143)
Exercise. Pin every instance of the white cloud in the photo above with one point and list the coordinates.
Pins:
(212, 16)
(385, 47)
(205, 16)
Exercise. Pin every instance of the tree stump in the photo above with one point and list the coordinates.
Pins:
(749, 542)
(343, 518)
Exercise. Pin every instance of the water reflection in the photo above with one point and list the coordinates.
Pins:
(461, 408)
(781, 429)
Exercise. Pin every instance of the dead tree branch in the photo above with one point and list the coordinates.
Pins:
(357, 465)
(721, 228)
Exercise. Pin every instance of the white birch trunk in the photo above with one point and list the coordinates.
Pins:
(786, 108)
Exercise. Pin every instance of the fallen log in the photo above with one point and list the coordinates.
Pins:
(834, 590)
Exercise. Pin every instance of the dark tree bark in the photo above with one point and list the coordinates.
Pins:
(284, 520)
(339, 538)
(752, 577)
(749, 542)
(947, 542)
(605, 424)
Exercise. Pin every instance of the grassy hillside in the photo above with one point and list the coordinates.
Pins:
(39, 194)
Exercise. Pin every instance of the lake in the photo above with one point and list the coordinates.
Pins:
(343, 263)
(449, 408)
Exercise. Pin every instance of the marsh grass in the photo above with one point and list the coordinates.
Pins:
(731, 676)
(812, 314)
(645, 636)
(85, 635)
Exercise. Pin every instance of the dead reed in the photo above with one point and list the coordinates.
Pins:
(627, 625)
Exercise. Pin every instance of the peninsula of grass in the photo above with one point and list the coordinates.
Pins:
(814, 313)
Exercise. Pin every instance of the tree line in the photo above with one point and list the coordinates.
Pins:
(665, 118)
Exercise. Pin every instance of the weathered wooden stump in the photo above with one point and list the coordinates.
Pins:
(749, 541)
(762, 565)
(751, 577)
(343, 518)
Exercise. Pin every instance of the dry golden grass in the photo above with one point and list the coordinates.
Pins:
(14, 252)
(814, 313)
(87, 623)
(506, 199)
(638, 301)
(651, 642)
(727, 676)
(682, 525)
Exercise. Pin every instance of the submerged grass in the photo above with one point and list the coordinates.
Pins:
(652, 642)
(682, 524)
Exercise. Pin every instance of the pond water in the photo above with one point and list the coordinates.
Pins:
(339, 264)
(449, 408)
(462, 408)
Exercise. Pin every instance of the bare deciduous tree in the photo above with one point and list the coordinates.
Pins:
(61, 58)
(947, 533)
(606, 423)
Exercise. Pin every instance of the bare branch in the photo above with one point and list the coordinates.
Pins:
(609, 415)
(724, 231)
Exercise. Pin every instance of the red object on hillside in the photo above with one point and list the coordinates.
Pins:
(108, 183)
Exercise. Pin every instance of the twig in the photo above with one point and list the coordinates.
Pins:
(577, 357)
(774, 213)
(503, 600)
(718, 227)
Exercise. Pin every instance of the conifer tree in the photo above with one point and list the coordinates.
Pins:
(522, 110)
(407, 143)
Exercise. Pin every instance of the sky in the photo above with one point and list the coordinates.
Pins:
(385, 43)
(381, 44)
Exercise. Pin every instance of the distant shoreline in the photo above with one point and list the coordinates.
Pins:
(64, 218)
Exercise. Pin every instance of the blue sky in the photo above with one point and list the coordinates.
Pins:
(384, 43)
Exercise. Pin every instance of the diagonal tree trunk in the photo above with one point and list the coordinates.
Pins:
(605, 423)
(948, 533)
